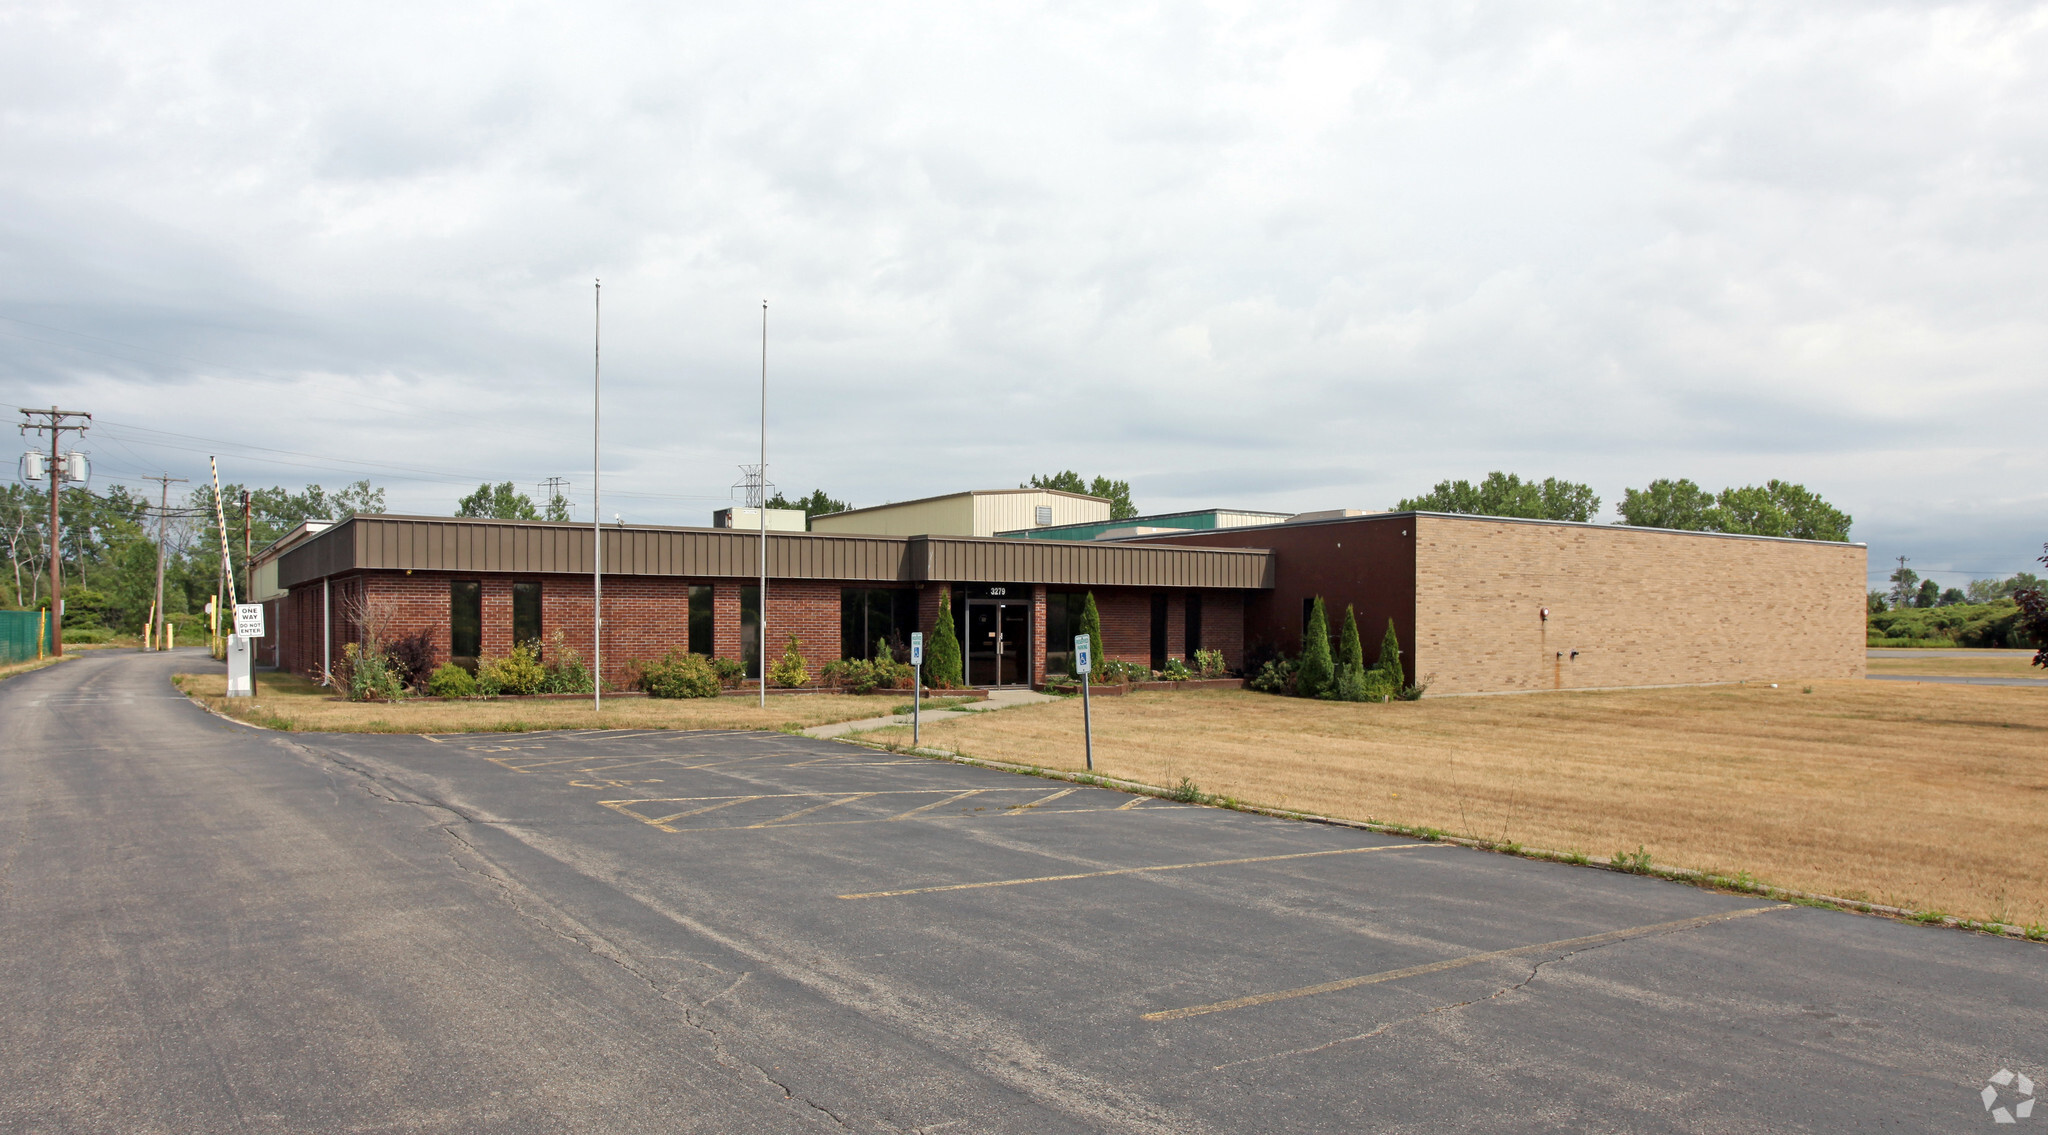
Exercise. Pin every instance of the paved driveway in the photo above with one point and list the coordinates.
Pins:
(743, 931)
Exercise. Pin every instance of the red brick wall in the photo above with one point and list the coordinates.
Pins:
(645, 616)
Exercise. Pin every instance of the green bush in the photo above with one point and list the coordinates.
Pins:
(1348, 685)
(680, 674)
(567, 673)
(80, 636)
(367, 675)
(731, 671)
(1389, 661)
(942, 650)
(1316, 671)
(1275, 677)
(1091, 625)
(790, 672)
(516, 674)
(1209, 663)
(1350, 651)
(451, 681)
(1176, 671)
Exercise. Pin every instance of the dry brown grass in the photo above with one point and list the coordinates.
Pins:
(296, 704)
(1924, 797)
(1961, 664)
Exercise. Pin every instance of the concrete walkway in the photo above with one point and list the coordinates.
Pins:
(1957, 680)
(997, 699)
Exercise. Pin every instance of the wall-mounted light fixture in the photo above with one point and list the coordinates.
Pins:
(1543, 613)
(1575, 656)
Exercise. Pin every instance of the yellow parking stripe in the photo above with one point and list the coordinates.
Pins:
(1134, 871)
(1458, 963)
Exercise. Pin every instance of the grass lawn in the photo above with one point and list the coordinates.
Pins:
(293, 703)
(1960, 664)
(1922, 797)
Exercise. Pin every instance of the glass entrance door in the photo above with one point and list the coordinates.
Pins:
(998, 643)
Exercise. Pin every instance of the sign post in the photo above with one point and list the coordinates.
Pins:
(1084, 663)
(242, 650)
(916, 685)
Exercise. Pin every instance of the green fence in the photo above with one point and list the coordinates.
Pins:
(20, 632)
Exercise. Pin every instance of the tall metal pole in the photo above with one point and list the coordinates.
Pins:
(596, 500)
(761, 615)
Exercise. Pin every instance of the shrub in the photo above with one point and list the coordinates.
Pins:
(1090, 625)
(451, 681)
(731, 671)
(1116, 671)
(1998, 623)
(1176, 671)
(1348, 685)
(790, 672)
(1209, 663)
(367, 675)
(567, 673)
(1315, 672)
(942, 650)
(680, 674)
(516, 674)
(412, 657)
(855, 674)
(1275, 677)
(1350, 651)
(1389, 662)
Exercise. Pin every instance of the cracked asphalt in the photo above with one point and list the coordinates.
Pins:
(209, 928)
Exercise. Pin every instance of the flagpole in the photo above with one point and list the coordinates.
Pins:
(761, 616)
(596, 499)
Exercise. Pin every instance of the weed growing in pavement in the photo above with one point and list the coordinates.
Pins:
(2037, 933)
(1929, 916)
(1635, 862)
(1187, 793)
(1574, 855)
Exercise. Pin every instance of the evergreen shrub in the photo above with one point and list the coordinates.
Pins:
(1316, 672)
(942, 650)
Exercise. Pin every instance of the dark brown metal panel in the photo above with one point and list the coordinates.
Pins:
(1100, 565)
(322, 554)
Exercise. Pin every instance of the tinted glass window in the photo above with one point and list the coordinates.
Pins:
(526, 615)
(869, 614)
(465, 620)
(700, 619)
(750, 630)
(1194, 629)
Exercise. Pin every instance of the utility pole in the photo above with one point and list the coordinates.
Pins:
(163, 514)
(54, 422)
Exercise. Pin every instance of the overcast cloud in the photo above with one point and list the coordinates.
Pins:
(1270, 256)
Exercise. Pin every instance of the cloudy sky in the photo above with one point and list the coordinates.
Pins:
(1272, 256)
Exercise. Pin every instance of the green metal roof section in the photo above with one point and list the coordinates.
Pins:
(1201, 518)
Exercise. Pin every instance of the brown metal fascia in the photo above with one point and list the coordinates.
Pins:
(1073, 563)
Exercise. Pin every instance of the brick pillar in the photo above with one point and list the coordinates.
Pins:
(725, 620)
(1037, 634)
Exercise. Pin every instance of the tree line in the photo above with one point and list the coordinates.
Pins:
(108, 551)
(1775, 508)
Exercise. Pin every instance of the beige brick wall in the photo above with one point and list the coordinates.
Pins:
(1640, 607)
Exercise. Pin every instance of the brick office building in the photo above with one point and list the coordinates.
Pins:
(479, 586)
(1486, 604)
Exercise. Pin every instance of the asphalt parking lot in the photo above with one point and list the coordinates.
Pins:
(915, 944)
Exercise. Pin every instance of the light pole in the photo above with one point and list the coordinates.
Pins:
(596, 500)
(761, 615)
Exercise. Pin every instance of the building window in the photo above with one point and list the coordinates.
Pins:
(868, 614)
(750, 630)
(1194, 625)
(526, 616)
(1062, 622)
(700, 619)
(1159, 608)
(465, 621)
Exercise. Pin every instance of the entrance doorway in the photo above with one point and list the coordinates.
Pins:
(998, 642)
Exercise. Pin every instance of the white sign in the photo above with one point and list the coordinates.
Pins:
(249, 620)
(1083, 664)
(917, 648)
